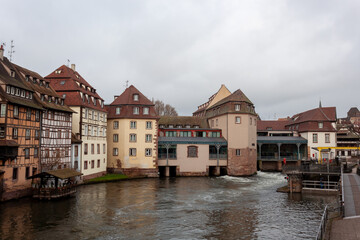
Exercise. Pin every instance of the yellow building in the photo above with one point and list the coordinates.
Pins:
(132, 134)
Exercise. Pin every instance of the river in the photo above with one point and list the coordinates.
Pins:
(172, 208)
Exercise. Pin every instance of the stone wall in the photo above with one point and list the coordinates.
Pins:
(8, 195)
(135, 172)
(94, 175)
(243, 165)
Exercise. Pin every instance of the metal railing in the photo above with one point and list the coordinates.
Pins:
(320, 184)
(313, 168)
(164, 156)
(321, 231)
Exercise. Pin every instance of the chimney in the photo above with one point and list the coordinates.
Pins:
(73, 67)
(1, 52)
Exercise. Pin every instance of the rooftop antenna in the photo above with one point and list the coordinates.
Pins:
(126, 84)
(11, 51)
(68, 62)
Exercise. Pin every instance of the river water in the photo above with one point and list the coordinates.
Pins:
(173, 208)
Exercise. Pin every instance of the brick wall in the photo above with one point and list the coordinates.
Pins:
(243, 165)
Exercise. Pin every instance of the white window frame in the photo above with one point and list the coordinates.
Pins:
(146, 111)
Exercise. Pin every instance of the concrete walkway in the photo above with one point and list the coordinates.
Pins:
(349, 227)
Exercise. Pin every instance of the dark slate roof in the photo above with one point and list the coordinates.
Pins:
(280, 139)
(183, 121)
(192, 140)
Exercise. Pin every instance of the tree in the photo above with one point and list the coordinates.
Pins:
(163, 109)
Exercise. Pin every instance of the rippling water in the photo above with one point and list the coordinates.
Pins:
(175, 208)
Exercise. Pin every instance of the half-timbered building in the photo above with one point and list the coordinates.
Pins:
(55, 136)
(88, 123)
(20, 119)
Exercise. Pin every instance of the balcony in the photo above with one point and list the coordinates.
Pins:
(213, 156)
(164, 156)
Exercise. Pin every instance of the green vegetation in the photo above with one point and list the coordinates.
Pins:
(108, 178)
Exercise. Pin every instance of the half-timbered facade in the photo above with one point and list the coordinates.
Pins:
(55, 135)
(88, 122)
(20, 119)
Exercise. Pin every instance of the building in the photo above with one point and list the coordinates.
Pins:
(188, 147)
(20, 119)
(88, 123)
(318, 127)
(235, 115)
(132, 134)
(55, 135)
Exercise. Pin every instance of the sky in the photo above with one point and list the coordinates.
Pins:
(285, 56)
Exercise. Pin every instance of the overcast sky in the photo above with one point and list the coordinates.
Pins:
(284, 55)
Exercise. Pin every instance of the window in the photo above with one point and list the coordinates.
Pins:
(117, 112)
(115, 151)
(146, 111)
(92, 115)
(327, 137)
(250, 121)
(115, 137)
(2, 131)
(15, 133)
(136, 110)
(76, 164)
(85, 165)
(237, 152)
(315, 138)
(238, 120)
(85, 148)
(217, 122)
(76, 151)
(36, 152)
(15, 174)
(37, 134)
(132, 137)
(27, 153)
(16, 111)
(133, 124)
(92, 163)
(98, 149)
(116, 124)
(148, 152)
(92, 148)
(192, 151)
(23, 93)
(37, 115)
(132, 151)
(321, 125)
(86, 113)
(27, 172)
(8, 89)
(237, 107)
(104, 149)
(12, 90)
(136, 97)
(148, 125)
(148, 138)
(86, 130)
(98, 163)
(3, 110)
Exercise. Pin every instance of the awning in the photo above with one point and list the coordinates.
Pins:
(59, 173)
(8, 143)
(281, 139)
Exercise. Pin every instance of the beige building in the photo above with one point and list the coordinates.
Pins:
(235, 115)
(88, 123)
(132, 134)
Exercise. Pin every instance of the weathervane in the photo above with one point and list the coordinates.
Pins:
(11, 51)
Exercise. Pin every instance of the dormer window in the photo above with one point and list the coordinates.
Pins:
(136, 110)
(23, 93)
(146, 111)
(136, 97)
(12, 90)
(12, 73)
(171, 126)
(34, 80)
(237, 107)
(27, 78)
(321, 124)
(8, 89)
(17, 92)
(64, 96)
(30, 95)
(47, 84)
(42, 97)
(57, 71)
(62, 102)
(62, 82)
(117, 112)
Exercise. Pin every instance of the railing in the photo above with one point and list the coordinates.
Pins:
(276, 158)
(321, 231)
(313, 168)
(52, 192)
(213, 156)
(164, 156)
(320, 184)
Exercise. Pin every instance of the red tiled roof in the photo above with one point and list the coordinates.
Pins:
(126, 103)
(275, 125)
(127, 98)
(67, 81)
(316, 114)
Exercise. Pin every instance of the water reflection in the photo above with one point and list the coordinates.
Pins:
(175, 208)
